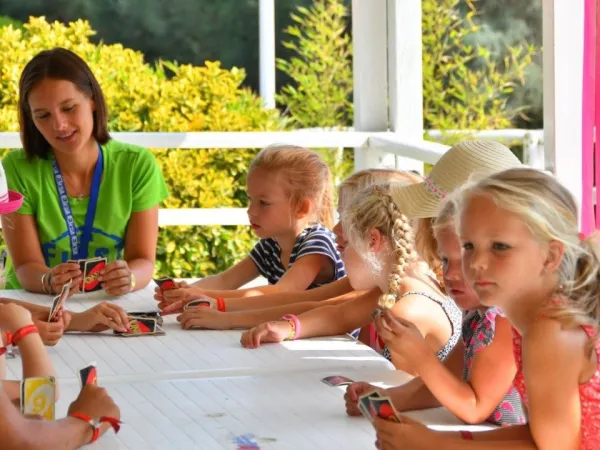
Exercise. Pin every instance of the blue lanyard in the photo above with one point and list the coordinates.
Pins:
(79, 249)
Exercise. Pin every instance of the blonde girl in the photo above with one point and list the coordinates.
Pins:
(523, 253)
(250, 312)
(475, 382)
(380, 254)
(291, 211)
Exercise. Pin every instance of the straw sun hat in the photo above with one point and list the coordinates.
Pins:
(454, 168)
(10, 201)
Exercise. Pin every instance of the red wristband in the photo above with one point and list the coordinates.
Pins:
(466, 435)
(95, 424)
(221, 304)
(22, 332)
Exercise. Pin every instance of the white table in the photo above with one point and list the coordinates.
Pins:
(201, 389)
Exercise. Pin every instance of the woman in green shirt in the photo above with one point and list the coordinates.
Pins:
(86, 195)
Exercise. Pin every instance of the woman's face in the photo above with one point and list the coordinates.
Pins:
(62, 113)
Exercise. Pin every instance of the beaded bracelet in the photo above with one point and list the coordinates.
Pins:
(295, 324)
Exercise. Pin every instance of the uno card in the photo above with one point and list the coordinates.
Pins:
(151, 314)
(365, 406)
(142, 326)
(204, 303)
(38, 396)
(59, 301)
(383, 408)
(88, 374)
(165, 283)
(337, 380)
(91, 272)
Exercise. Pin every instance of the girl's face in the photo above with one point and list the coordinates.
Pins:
(501, 260)
(450, 252)
(63, 114)
(361, 273)
(269, 208)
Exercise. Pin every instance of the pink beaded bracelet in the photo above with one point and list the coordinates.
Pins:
(295, 323)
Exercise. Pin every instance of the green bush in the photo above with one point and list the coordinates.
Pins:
(161, 97)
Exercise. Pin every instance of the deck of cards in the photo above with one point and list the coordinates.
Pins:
(165, 283)
(59, 301)
(374, 405)
(38, 397)
(142, 326)
(88, 374)
(90, 268)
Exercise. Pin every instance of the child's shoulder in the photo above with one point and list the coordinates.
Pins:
(548, 336)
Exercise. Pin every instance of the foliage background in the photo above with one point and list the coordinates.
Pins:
(465, 86)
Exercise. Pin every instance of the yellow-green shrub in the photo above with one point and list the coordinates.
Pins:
(162, 97)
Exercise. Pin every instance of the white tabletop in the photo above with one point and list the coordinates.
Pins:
(201, 389)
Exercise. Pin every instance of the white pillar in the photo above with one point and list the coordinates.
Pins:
(563, 75)
(266, 25)
(369, 39)
(405, 59)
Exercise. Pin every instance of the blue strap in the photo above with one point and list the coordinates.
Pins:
(79, 250)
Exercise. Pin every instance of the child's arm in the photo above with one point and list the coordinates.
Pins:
(492, 373)
(416, 394)
(302, 273)
(324, 321)
(50, 332)
(36, 361)
(239, 274)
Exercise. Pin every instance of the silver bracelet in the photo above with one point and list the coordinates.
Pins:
(44, 275)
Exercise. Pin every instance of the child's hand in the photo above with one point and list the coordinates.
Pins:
(401, 337)
(177, 307)
(94, 402)
(101, 317)
(354, 391)
(203, 317)
(406, 435)
(13, 317)
(166, 297)
(51, 332)
(270, 332)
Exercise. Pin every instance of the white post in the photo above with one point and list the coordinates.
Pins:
(266, 23)
(405, 59)
(369, 39)
(563, 78)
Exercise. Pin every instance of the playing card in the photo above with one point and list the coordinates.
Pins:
(165, 283)
(88, 374)
(59, 301)
(204, 303)
(142, 326)
(337, 380)
(91, 272)
(383, 408)
(150, 314)
(38, 396)
(364, 404)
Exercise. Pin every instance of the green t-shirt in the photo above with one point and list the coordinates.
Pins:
(131, 182)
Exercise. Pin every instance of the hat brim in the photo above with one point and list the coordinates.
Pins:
(414, 200)
(15, 201)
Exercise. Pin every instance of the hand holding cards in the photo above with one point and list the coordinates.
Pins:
(165, 283)
(374, 405)
(90, 268)
(59, 301)
(142, 326)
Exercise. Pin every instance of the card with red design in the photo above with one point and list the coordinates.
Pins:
(165, 283)
(88, 374)
(91, 272)
(203, 303)
(142, 326)
(59, 301)
(337, 380)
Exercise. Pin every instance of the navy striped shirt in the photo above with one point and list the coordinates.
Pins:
(314, 240)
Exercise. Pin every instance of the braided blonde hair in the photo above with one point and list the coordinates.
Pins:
(374, 208)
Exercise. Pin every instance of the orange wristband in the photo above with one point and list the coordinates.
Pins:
(95, 424)
(221, 304)
(22, 332)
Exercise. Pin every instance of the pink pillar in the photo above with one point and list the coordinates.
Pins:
(591, 104)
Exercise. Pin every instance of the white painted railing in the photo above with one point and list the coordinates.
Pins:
(388, 142)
